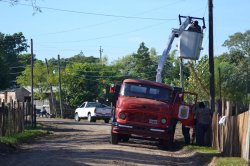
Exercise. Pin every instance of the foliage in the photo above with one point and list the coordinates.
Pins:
(86, 82)
(239, 42)
(198, 81)
(144, 67)
(234, 67)
(10, 47)
(125, 66)
(39, 80)
(171, 70)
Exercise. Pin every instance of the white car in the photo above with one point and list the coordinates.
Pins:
(93, 111)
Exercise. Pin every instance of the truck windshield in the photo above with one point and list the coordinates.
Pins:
(146, 91)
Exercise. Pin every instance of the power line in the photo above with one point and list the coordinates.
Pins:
(93, 25)
(95, 14)
(109, 36)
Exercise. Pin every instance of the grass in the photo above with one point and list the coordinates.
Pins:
(230, 161)
(201, 149)
(26, 136)
(208, 153)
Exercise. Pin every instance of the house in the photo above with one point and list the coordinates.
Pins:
(18, 94)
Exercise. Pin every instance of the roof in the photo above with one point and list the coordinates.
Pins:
(147, 82)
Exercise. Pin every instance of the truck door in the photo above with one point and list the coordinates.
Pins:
(184, 105)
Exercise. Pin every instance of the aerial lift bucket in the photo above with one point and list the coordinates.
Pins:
(190, 45)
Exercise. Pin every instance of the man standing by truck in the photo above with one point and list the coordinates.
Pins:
(203, 120)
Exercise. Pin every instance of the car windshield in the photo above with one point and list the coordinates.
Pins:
(94, 104)
(146, 91)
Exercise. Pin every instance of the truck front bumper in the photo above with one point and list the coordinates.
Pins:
(139, 130)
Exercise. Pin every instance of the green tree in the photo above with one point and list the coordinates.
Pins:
(239, 42)
(198, 81)
(40, 79)
(84, 82)
(10, 47)
(145, 68)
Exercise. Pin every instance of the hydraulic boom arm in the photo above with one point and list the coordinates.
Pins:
(165, 54)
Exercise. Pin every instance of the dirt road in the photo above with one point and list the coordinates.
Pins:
(83, 143)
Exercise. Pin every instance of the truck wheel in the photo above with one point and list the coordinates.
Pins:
(106, 120)
(125, 138)
(77, 117)
(164, 144)
(114, 139)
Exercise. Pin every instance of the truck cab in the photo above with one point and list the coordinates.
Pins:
(143, 109)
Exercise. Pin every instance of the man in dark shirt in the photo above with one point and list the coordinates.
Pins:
(195, 27)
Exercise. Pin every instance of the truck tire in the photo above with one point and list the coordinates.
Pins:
(106, 120)
(114, 139)
(77, 117)
(164, 144)
(124, 138)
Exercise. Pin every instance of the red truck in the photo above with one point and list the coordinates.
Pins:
(148, 109)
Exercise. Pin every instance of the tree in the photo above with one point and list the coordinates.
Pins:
(145, 68)
(239, 42)
(40, 79)
(32, 3)
(86, 82)
(239, 56)
(10, 47)
(198, 81)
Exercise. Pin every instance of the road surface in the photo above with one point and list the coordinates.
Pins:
(82, 143)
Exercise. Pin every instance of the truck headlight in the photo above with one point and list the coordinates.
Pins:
(163, 121)
(122, 115)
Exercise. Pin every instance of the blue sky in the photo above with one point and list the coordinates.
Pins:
(68, 27)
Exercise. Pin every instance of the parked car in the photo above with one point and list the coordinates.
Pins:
(93, 111)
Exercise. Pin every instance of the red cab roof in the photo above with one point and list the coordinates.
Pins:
(147, 82)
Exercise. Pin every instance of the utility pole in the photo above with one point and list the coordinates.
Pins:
(101, 50)
(211, 55)
(51, 90)
(60, 87)
(181, 74)
(33, 111)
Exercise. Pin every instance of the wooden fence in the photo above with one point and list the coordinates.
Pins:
(232, 136)
(13, 117)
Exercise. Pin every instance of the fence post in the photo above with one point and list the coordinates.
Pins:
(246, 155)
(1, 119)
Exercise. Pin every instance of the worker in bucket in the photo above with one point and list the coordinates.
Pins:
(195, 27)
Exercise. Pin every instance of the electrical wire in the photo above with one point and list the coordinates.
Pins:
(93, 13)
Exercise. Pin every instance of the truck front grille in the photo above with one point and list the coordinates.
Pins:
(141, 117)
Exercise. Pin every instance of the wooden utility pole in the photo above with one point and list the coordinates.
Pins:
(60, 87)
(211, 55)
(51, 90)
(33, 111)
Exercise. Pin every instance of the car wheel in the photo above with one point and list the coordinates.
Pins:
(90, 119)
(77, 117)
(106, 120)
(114, 139)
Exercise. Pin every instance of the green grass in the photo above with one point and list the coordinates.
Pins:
(26, 136)
(201, 149)
(230, 161)
(208, 153)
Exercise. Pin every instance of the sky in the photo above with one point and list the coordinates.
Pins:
(67, 28)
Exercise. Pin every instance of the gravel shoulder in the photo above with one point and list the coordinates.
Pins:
(82, 143)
